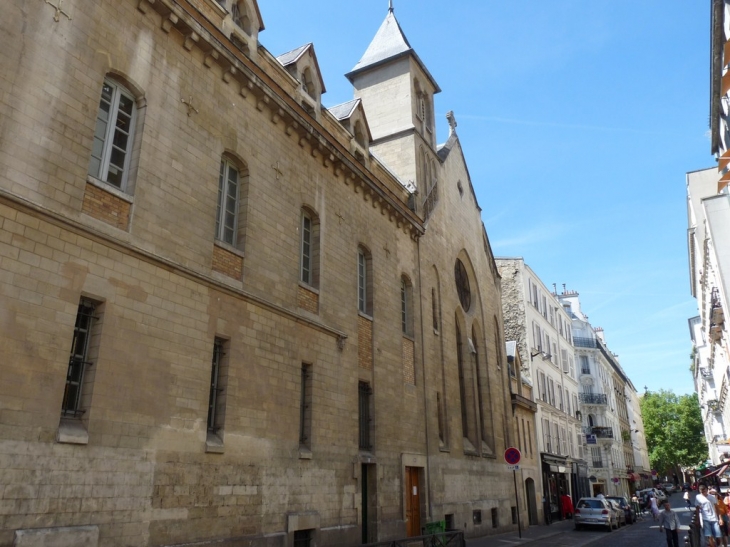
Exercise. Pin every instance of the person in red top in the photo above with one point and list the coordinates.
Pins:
(566, 506)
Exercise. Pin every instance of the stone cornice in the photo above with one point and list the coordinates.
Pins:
(284, 111)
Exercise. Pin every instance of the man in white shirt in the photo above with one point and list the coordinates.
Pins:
(669, 522)
(705, 504)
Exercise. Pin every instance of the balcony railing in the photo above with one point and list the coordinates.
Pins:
(597, 463)
(581, 342)
(593, 398)
(603, 432)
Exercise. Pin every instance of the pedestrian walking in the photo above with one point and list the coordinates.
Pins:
(654, 508)
(722, 515)
(705, 507)
(686, 499)
(669, 522)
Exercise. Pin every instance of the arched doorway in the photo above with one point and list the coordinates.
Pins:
(531, 501)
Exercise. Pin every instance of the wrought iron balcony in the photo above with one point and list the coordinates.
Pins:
(713, 405)
(705, 372)
(593, 398)
(602, 432)
(718, 316)
(581, 342)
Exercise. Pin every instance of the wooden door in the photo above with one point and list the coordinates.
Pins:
(413, 502)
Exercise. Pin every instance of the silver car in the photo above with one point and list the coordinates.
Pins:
(619, 511)
(595, 512)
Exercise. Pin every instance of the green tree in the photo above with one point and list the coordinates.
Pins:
(674, 430)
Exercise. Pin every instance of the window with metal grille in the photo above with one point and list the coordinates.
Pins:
(365, 400)
(218, 379)
(113, 135)
(78, 362)
(303, 538)
(406, 306)
(305, 407)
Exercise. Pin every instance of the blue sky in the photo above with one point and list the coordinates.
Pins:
(579, 121)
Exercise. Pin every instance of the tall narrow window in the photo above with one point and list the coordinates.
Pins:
(406, 306)
(309, 249)
(364, 414)
(305, 407)
(434, 310)
(462, 384)
(216, 394)
(364, 282)
(440, 417)
(226, 225)
(77, 383)
(113, 135)
(529, 436)
(481, 385)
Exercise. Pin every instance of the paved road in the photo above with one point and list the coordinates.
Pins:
(645, 533)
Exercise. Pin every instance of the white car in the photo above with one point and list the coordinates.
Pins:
(595, 512)
(660, 496)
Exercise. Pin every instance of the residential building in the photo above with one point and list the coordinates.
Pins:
(603, 405)
(708, 247)
(230, 314)
(641, 474)
(541, 328)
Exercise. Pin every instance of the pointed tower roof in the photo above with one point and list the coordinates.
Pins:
(389, 43)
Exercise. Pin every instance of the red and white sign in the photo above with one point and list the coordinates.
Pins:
(512, 456)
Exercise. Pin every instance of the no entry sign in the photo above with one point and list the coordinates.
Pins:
(512, 456)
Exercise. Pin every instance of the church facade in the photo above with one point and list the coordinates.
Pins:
(228, 312)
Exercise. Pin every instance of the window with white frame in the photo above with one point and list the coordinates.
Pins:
(364, 282)
(226, 225)
(309, 249)
(111, 149)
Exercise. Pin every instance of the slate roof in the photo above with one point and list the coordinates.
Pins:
(344, 110)
(389, 43)
(293, 56)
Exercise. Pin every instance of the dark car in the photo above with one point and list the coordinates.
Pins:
(626, 506)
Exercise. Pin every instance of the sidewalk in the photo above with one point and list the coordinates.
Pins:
(532, 534)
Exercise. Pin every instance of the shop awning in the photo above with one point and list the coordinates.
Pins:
(718, 471)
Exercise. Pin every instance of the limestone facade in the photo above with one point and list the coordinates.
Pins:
(536, 320)
(223, 316)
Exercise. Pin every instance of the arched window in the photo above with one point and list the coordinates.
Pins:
(229, 227)
(462, 384)
(114, 132)
(364, 281)
(309, 249)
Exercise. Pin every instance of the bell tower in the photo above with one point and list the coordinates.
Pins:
(397, 90)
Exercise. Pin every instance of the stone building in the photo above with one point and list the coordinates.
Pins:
(602, 404)
(229, 312)
(535, 319)
(708, 246)
(524, 408)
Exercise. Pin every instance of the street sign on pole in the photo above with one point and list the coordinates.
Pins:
(512, 456)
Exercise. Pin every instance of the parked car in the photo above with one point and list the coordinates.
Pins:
(594, 512)
(618, 511)
(629, 512)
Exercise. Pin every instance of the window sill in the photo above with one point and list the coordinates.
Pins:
(109, 188)
(305, 453)
(214, 444)
(228, 247)
(72, 431)
(409, 337)
(365, 316)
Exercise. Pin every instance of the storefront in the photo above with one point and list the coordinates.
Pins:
(556, 480)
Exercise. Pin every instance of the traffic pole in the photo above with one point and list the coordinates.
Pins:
(517, 503)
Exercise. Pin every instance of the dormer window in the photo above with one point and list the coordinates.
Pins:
(308, 84)
(240, 17)
(359, 134)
